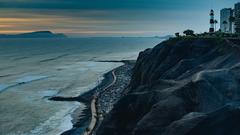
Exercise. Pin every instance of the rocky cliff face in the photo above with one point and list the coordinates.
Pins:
(181, 87)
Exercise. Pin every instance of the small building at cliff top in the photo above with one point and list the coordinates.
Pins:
(237, 17)
(225, 24)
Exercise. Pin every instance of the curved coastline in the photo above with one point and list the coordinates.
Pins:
(94, 110)
(99, 100)
(81, 120)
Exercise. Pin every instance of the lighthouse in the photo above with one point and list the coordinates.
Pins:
(211, 29)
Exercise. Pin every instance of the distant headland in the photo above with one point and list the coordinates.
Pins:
(36, 34)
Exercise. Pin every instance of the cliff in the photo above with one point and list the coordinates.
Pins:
(183, 86)
(37, 34)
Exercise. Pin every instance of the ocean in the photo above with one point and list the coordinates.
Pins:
(32, 70)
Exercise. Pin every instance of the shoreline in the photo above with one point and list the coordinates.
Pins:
(109, 96)
(96, 110)
(81, 119)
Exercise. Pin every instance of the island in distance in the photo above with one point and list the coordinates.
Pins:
(37, 34)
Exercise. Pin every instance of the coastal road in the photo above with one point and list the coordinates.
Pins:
(94, 118)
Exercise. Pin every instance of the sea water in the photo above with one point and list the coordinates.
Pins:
(32, 70)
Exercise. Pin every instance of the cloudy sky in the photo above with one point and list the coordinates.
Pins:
(108, 17)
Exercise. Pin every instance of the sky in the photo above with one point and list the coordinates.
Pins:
(78, 18)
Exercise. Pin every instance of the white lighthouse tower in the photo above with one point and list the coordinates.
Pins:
(211, 29)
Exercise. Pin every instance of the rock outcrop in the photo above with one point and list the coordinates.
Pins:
(182, 86)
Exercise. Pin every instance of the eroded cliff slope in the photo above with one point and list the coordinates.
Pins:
(187, 86)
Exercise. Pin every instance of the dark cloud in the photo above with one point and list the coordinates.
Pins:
(108, 17)
(99, 4)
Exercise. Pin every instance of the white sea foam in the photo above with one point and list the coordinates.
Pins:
(30, 78)
(25, 79)
(47, 93)
(58, 123)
